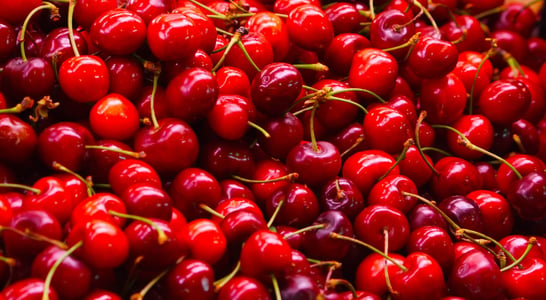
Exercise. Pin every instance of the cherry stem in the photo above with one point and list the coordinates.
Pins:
(468, 144)
(408, 143)
(312, 127)
(485, 58)
(55, 266)
(203, 6)
(304, 229)
(412, 41)
(161, 236)
(429, 17)
(275, 213)
(348, 101)
(357, 142)
(319, 67)
(386, 269)
(259, 128)
(210, 210)
(422, 116)
(376, 96)
(218, 284)
(512, 62)
(532, 241)
(88, 184)
(336, 235)
(35, 236)
(234, 40)
(155, 124)
(250, 60)
(465, 232)
(22, 32)
(372, 9)
(519, 143)
(288, 177)
(490, 12)
(25, 104)
(21, 186)
(276, 288)
(142, 293)
(132, 154)
(332, 283)
(437, 150)
(71, 6)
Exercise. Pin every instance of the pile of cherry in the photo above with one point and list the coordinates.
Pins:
(260, 149)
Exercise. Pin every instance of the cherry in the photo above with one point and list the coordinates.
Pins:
(286, 131)
(390, 191)
(366, 167)
(349, 139)
(370, 274)
(475, 275)
(414, 284)
(29, 288)
(126, 76)
(33, 77)
(235, 204)
(264, 179)
(16, 13)
(172, 36)
(164, 151)
(433, 58)
(373, 70)
(127, 172)
(274, 30)
(102, 295)
(414, 166)
(341, 194)
(264, 252)
(275, 88)
(299, 205)
(391, 28)
(423, 215)
(226, 158)
(332, 113)
(143, 103)
(147, 9)
(56, 45)
(192, 94)
(238, 225)
(308, 27)
(497, 215)
(206, 241)
(387, 129)
(84, 78)
(259, 50)
(467, 30)
(232, 188)
(509, 42)
(477, 129)
(444, 99)
(339, 54)
(526, 282)
(114, 117)
(207, 31)
(303, 158)
(523, 164)
(118, 31)
(193, 187)
(527, 194)
(232, 81)
(86, 11)
(103, 155)
(51, 197)
(375, 221)
(298, 286)
(142, 199)
(17, 139)
(330, 249)
(71, 280)
(228, 120)
(517, 244)
(456, 176)
(434, 241)
(345, 17)
(99, 206)
(502, 94)
(190, 278)
(243, 287)
(150, 251)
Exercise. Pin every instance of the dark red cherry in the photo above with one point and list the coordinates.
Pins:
(191, 278)
(286, 131)
(373, 70)
(330, 248)
(237, 226)
(456, 176)
(148, 9)
(126, 76)
(299, 208)
(16, 12)
(339, 54)
(265, 252)
(147, 201)
(498, 218)
(305, 157)
(345, 17)
(7, 33)
(127, 172)
(463, 211)
(423, 215)
(391, 28)
(444, 99)
(465, 29)
(389, 191)
(226, 158)
(343, 195)
(523, 163)
(335, 114)
(527, 194)
(86, 11)
(33, 77)
(17, 139)
(243, 287)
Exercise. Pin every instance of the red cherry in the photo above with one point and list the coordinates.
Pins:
(118, 31)
(527, 194)
(330, 248)
(497, 215)
(341, 194)
(147, 9)
(232, 81)
(309, 27)
(33, 77)
(466, 29)
(172, 36)
(423, 215)
(434, 241)
(527, 282)
(423, 279)
(456, 176)
(344, 17)
(17, 139)
(243, 287)
(191, 278)
(387, 129)
(463, 211)
(16, 12)
(98, 206)
(84, 78)
(127, 172)
(373, 70)
(372, 221)
(389, 191)
(126, 76)
(228, 120)
(504, 101)
(257, 47)
(285, 132)
(477, 129)
(370, 274)
(147, 201)
(391, 28)
(524, 164)
(207, 31)
(29, 288)
(300, 205)
(264, 252)
(340, 52)
(114, 117)
(304, 157)
(274, 30)
(86, 11)
(366, 167)
(444, 99)
(206, 241)
(336, 114)
(7, 33)
(433, 58)
(52, 198)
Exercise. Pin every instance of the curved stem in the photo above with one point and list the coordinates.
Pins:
(485, 58)
(304, 229)
(312, 127)
(210, 210)
(530, 244)
(376, 96)
(259, 128)
(347, 101)
(490, 239)
(20, 186)
(422, 116)
(276, 288)
(89, 185)
(218, 284)
(71, 6)
(55, 266)
(372, 9)
(289, 177)
(161, 236)
(234, 40)
(429, 17)
(132, 154)
(22, 32)
(155, 124)
(400, 157)
(250, 60)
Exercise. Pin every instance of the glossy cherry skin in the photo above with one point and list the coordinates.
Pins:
(102, 160)
(126, 76)
(387, 129)
(389, 191)
(193, 187)
(147, 252)
(207, 31)
(299, 286)
(164, 151)
(424, 278)
(147, 201)
(192, 94)
(84, 78)
(366, 167)
(237, 226)
(86, 11)
(17, 139)
(423, 215)
(52, 198)
(523, 163)
(264, 252)
(206, 240)
(463, 211)
(527, 282)
(190, 278)
(29, 288)
(477, 129)
(526, 196)
(392, 28)
(98, 294)
(517, 244)
(444, 99)
(104, 244)
(374, 70)
(344, 17)
(341, 194)
(232, 81)
(71, 280)
(172, 36)
(114, 117)
(466, 28)
(274, 30)
(275, 88)
(98, 206)
(286, 131)
(33, 77)
(258, 48)
(329, 249)
(414, 167)
(371, 222)
(244, 288)
(225, 158)
(309, 27)
(228, 120)
(433, 58)
(370, 274)
(334, 114)
(266, 170)
(304, 158)
(456, 176)
(475, 275)
(339, 54)
(504, 101)
(37, 221)
(127, 172)
(8, 34)
(118, 31)
(300, 205)
(497, 214)
(436, 242)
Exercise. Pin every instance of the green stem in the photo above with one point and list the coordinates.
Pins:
(490, 239)
(485, 58)
(21, 186)
(218, 284)
(90, 191)
(372, 9)
(304, 229)
(376, 96)
(531, 243)
(429, 17)
(275, 213)
(203, 6)
(161, 236)
(250, 60)
(289, 177)
(22, 32)
(155, 124)
(132, 154)
(71, 6)
(55, 266)
(312, 127)
(234, 40)
(210, 210)
(400, 157)
(347, 101)
(422, 116)
(319, 67)
(276, 288)
(259, 128)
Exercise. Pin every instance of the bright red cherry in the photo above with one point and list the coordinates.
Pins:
(114, 117)
(309, 27)
(366, 167)
(504, 101)
(118, 32)
(172, 36)
(84, 78)
(265, 252)
(373, 70)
